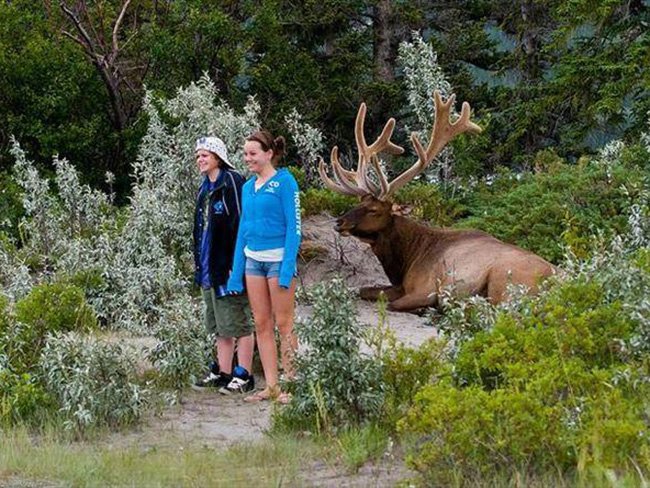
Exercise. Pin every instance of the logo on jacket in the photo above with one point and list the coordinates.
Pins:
(272, 186)
(218, 208)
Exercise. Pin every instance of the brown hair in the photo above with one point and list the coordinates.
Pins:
(267, 141)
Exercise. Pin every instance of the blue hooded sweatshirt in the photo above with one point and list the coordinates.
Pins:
(270, 219)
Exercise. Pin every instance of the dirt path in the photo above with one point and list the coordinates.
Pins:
(208, 419)
(211, 418)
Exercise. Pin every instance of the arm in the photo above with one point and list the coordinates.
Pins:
(290, 197)
(236, 280)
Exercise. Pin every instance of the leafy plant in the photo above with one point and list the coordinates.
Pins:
(182, 349)
(49, 308)
(93, 381)
(309, 142)
(314, 201)
(22, 398)
(545, 211)
(336, 384)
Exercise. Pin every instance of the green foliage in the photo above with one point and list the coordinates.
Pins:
(539, 211)
(321, 200)
(90, 281)
(550, 74)
(94, 382)
(406, 370)
(336, 384)
(472, 152)
(22, 399)
(429, 203)
(10, 205)
(182, 349)
(51, 93)
(476, 431)
(359, 444)
(551, 386)
(49, 308)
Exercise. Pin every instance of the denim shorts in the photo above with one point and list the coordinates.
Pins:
(269, 269)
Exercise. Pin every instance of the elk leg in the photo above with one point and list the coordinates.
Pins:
(413, 301)
(372, 292)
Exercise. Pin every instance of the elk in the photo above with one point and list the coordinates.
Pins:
(422, 261)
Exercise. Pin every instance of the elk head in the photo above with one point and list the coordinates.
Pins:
(366, 220)
(375, 212)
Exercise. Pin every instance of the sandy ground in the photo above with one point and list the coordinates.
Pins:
(213, 420)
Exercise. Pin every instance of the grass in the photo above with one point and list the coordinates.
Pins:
(50, 460)
(360, 444)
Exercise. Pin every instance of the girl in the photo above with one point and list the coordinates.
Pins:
(266, 252)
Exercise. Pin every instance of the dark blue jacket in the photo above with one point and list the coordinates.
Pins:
(223, 224)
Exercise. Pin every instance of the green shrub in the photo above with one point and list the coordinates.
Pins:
(94, 286)
(299, 175)
(182, 350)
(551, 386)
(22, 398)
(48, 308)
(6, 320)
(336, 385)
(428, 203)
(475, 431)
(90, 281)
(94, 382)
(315, 201)
(405, 371)
(11, 207)
(542, 212)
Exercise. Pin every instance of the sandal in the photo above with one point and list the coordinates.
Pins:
(263, 395)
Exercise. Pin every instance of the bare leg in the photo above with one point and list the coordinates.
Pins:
(283, 309)
(260, 301)
(245, 347)
(372, 292)
(225, 351)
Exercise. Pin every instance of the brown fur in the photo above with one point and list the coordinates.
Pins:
(421, 261)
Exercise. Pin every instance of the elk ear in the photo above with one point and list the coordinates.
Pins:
(401, 209)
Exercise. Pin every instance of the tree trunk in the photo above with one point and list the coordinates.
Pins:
(383, 35)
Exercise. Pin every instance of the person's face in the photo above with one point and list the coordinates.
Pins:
(206, 161)
(256, 158)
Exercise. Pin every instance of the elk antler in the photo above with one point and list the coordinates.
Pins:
(358, 183)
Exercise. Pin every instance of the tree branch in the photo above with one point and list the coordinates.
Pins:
(116, 28)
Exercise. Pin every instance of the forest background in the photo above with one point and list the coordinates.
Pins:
(564, 75)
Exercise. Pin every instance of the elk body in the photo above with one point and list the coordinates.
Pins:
(421, 261)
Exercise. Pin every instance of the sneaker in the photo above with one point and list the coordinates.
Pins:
(242, 382)
(212, 381)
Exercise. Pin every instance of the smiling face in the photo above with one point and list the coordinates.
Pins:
(208, 163)
(257, 159)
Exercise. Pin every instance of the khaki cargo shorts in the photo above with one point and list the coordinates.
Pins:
(228, 316)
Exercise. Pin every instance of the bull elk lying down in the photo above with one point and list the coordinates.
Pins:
(421, 261)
